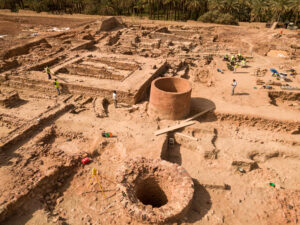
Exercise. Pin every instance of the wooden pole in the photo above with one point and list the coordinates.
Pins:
(199, 114)
(165, 130)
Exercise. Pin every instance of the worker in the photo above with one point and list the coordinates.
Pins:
(235, 67)
(56, 86)
(243, 63)
(115, 98)
(233, 59)
(229, 66)
(48, 72)
(234, 84)
(293, 72)
(226, 58)
(240, 57)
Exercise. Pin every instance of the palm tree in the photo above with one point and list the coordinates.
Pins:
(294, 5)
(193, 5)
(278, 8)
(166, 5)
(258, 10)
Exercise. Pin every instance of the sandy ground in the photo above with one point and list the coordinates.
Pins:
(250, 140)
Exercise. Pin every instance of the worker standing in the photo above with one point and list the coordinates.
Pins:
(115, 98)
(234, 84)
(48, 72)
(232, 60)
(226, 58)
(240, 57)
(243, 63)
(56, 84)
(235, 67)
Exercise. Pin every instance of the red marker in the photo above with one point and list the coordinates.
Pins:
(86, 160)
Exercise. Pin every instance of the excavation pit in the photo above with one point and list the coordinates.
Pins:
(101, 74)
(154, 191)
(170, 98)
(149, 192)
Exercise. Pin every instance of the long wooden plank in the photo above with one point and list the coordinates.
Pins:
(187, 136)
(199, 114)
(165, 130)
(274, 26)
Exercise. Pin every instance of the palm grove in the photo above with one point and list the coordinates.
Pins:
(216, 11)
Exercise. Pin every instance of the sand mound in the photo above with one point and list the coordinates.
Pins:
(277, 53)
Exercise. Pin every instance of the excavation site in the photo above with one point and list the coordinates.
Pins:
(119, 120)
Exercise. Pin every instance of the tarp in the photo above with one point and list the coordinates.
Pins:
(274, 70)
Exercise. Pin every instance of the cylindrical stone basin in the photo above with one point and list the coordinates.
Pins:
(154, 191)
(170, 98)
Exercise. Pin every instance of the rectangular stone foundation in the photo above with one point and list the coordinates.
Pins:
(130, 76)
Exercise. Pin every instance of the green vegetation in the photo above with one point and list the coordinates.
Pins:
(218, 17)
(216, 11)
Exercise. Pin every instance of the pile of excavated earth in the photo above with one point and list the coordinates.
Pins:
(180, 148)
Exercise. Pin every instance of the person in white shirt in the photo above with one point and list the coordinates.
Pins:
(115, 98)
(234, 84)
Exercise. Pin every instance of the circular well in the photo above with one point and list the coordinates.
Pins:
(174, 85)
(170, 98)
(154, 191)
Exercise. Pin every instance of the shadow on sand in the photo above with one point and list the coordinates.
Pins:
(201, 104)
(201, 204)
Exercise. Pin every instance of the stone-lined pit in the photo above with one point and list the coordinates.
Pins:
(170, 98)
(154, 191)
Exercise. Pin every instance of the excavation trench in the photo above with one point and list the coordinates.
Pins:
(42, 187)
